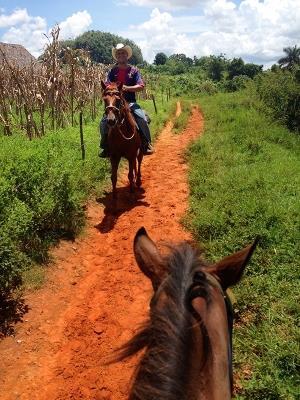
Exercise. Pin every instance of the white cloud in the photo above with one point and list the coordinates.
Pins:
(75, 25)
(30, 31)
(255, 30)
(165, 4)
(17, 17)
(25, 30)
(159, 34)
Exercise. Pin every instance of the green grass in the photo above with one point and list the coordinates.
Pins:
(165, 111)
(245, 182)
(181, 122)
(33, 278)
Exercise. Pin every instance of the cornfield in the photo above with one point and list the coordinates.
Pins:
(49, 94)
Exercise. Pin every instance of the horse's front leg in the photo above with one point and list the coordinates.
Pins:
(114, 174)
(132, 168)
(139, 175)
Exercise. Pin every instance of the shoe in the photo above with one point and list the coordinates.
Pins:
(103, 154)
(149, 150)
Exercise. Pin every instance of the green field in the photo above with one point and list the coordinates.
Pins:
(245, 182)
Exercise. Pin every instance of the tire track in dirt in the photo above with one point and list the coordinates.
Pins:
(95, 296)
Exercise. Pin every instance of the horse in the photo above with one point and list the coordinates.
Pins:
(187, 340)
(123, 137)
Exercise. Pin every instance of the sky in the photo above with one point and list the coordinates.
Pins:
(256, 30)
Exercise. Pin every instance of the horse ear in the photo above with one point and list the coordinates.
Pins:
(103, 85)
(230, 269)
(148, 258)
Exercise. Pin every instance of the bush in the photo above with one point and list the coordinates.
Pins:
(236, 83)
(38, 199)
(280, 91)
(43, 187)
(12, 264)
(208, 87)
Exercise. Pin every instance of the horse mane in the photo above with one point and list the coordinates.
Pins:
(167, 335)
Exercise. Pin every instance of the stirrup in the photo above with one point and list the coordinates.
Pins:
(103, 154)
(149, 150)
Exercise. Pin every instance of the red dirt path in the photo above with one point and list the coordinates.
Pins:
(95, 296)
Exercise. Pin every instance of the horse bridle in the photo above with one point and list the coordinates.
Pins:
(118, 123)
(197, 289)
(119, 102)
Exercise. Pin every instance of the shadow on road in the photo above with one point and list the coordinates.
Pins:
(12, 311)
(113, 209)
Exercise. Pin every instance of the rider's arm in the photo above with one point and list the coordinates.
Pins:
(135, 88)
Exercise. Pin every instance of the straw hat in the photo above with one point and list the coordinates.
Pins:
(121, 46)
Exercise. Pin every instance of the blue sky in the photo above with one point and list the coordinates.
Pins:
(256, 30)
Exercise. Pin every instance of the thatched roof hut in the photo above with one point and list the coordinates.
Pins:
(15, 54)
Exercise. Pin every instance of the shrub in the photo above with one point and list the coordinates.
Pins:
(43, 186)
(236, 83)
(12, 263)
(280, 91)
(208, 87)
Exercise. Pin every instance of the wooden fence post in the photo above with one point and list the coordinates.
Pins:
(153, 99)
(81, 136)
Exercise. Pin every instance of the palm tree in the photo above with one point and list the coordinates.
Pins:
(292, 57)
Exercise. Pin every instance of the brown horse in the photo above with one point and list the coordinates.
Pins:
(187, 340)
(123, 137)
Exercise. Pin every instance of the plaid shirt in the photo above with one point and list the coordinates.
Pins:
(131, 77)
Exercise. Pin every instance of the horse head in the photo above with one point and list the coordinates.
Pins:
(187, 338)
(113, 101)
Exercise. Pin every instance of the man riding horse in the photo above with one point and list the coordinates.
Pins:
(132, 82)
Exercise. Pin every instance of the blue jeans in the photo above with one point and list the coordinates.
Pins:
(141, 120)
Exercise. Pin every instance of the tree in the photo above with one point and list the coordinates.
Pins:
(252, 69)
(215, 65)
(275, 68)
(292, 57)
(175, 67)
(182, 58)
(99, 45)
(235, 67)
(201, 62)
(160, 59)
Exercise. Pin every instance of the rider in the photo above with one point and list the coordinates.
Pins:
(132, 83)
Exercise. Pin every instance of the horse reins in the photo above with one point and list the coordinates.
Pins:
(197, 289)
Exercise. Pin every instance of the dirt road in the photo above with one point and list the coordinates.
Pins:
(95, 296)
